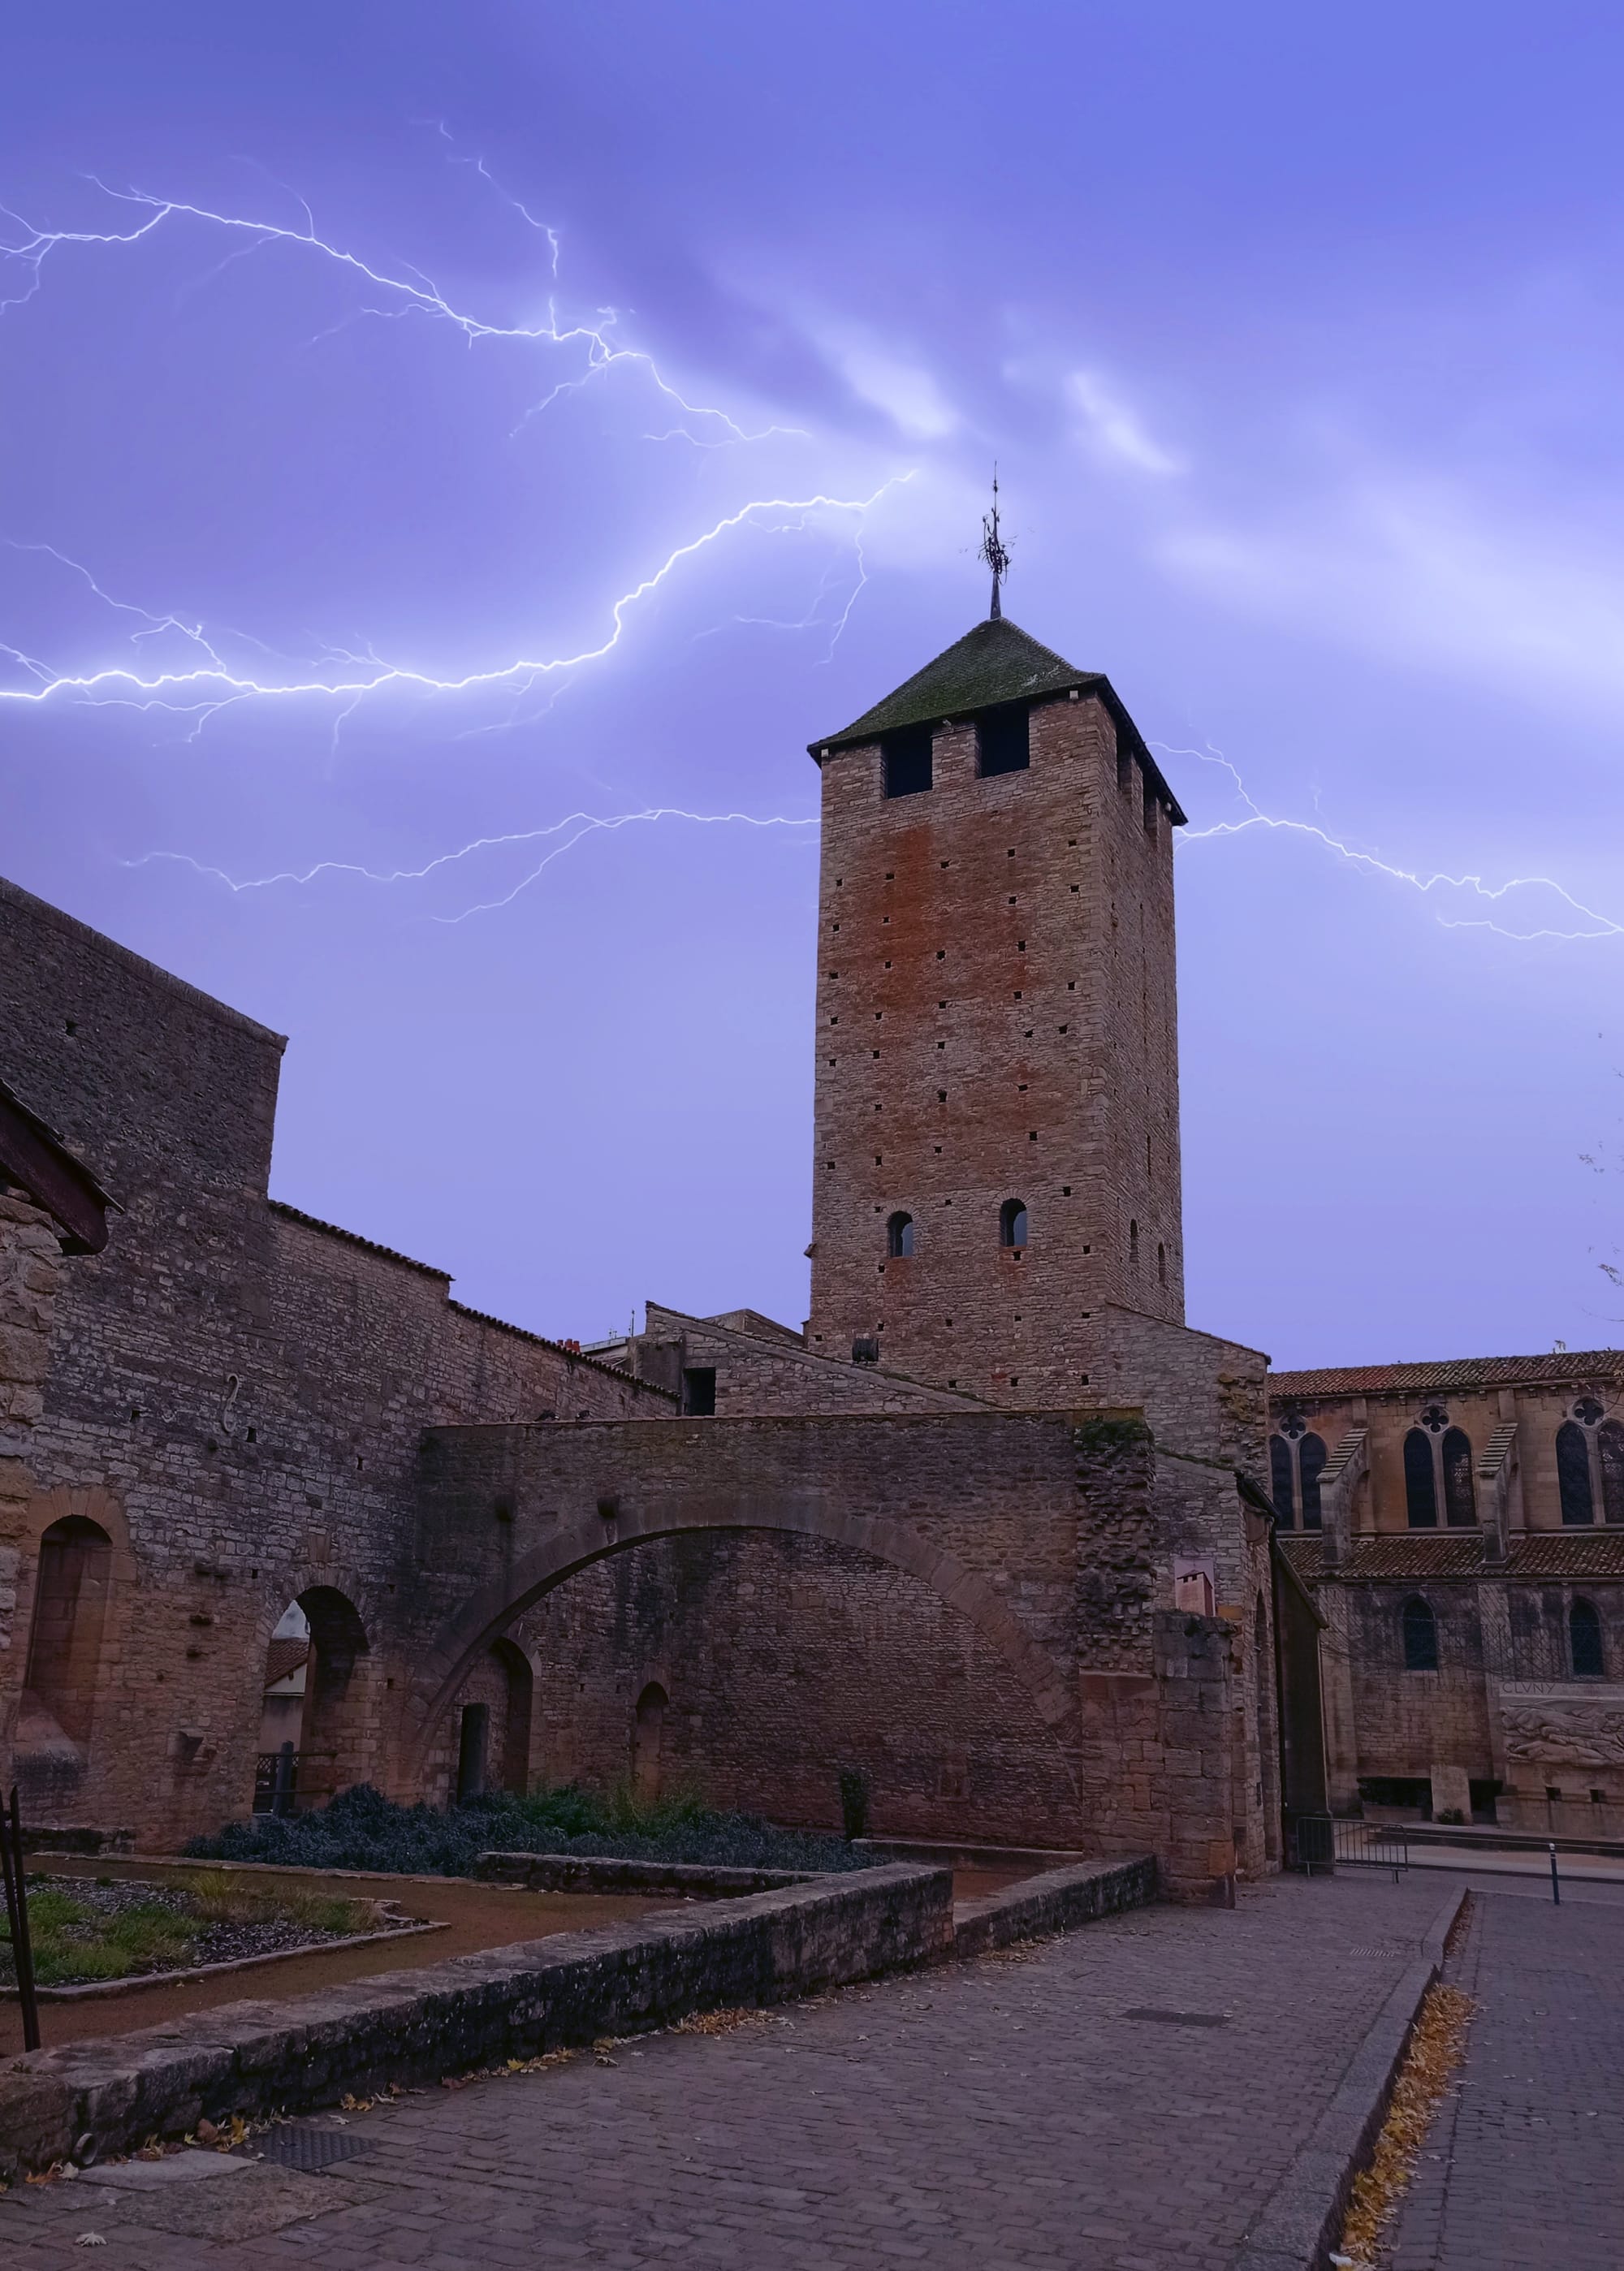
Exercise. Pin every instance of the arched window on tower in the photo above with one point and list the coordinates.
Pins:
(1572, 1473)
(1421, 1489)
(1133, 1245)
(899, 1238)
(1420, 1631)
(1584, 1641)
(1161, 1263)
(1012, 1223)
(1460, 1505)
(1280, 1479)
(1609, 1444)
(1310, 1465)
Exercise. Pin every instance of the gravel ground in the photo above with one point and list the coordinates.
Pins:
(217, 1942)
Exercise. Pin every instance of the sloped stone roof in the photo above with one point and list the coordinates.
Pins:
(995, 662)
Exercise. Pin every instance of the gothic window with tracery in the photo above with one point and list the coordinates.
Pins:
(1420, 1483)
(1280, 1479)
(1610, 1456)
(1572, 1473)
(1296, 1461)
(1460, 1504)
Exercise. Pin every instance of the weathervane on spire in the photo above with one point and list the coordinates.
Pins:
(994, 551)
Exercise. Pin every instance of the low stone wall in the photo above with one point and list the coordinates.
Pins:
(1053, 1902)
(477, 2010)
(46, 1838)
(609, 1872)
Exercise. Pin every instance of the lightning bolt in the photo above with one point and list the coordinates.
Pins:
(1601, 926)
(411, 294)
(583, 824)
(212, 684)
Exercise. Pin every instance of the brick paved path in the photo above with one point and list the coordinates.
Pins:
(1048, 2107)
(1524, 2168)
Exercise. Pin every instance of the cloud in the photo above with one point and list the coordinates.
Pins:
(1414, 572)
(908, 395)
(1111, 427)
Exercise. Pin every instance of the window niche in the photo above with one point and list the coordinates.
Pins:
(1012, 1223)
(1420, 1636)
(698, 1391)
(69, 1614)
(899, 1238)
(905, 761)
(1003, 742)
(1584, 1643)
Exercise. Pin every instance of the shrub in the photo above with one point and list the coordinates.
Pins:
(362, 1830)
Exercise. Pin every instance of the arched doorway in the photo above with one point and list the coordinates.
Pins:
(314, 1739)
(648, 1736)
(484, 1740)
(281, 1713)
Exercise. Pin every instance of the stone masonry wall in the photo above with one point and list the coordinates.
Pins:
(801, 1588)
(32, 1270)
(995, 1021)
(236, 1393)
(786, 1659)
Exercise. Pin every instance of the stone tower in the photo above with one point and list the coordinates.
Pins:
(997, 1098)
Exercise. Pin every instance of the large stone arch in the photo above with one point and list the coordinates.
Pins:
(577, 1545)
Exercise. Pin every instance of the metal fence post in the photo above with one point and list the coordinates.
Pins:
(17, 1916)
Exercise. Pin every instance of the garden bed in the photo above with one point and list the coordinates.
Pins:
(98, 1936)
(361, 1829)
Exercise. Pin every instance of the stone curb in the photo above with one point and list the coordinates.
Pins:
(570, 1872)
(89, 1991)
(1302, 2221)
(1054, 1901)
(467, 2013)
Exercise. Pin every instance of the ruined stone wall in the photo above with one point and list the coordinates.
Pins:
(786, 1660)
(995, 1021)
(31, 1276)
(801, 1589)
(236, 1393)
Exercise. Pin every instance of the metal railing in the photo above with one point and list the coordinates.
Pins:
(276, 1780)
(1324, 1841)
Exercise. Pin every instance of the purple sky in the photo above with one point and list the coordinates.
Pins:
(1296, 334)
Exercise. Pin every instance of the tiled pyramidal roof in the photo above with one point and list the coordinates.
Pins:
(994, 663)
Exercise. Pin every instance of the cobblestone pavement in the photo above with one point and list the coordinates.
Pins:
(1125, 2096)
(1524, 2168)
